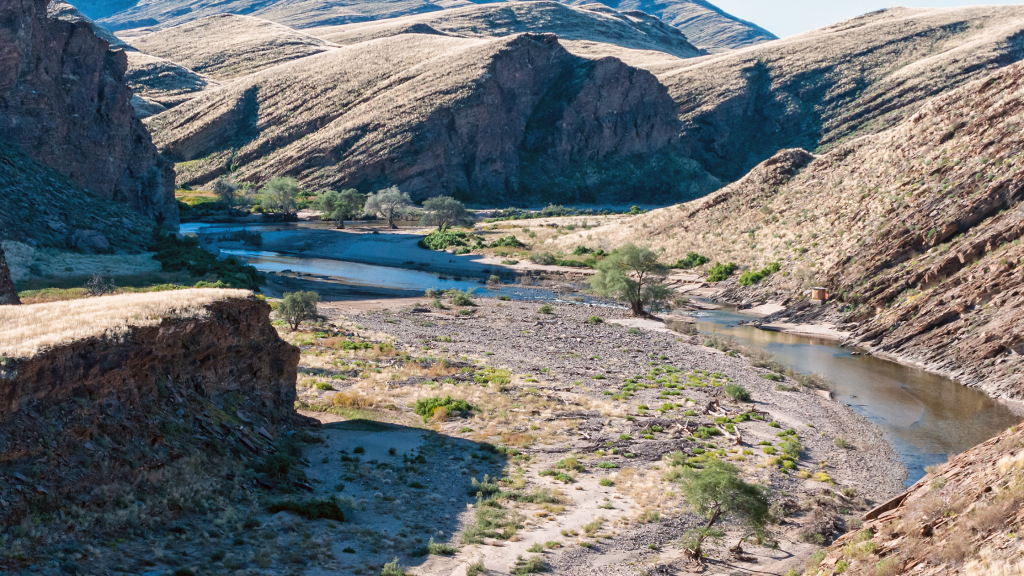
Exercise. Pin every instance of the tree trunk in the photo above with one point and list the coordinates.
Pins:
(637, 307)
(8, 295)
(340, 223)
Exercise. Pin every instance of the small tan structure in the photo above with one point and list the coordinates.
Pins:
(819, 294)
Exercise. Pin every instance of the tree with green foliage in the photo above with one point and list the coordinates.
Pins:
(445, 211)
(717, 493)
(337, 206)
(633, 275)
(387, 203)
(225, 188)
(298, 307)
(280, 195)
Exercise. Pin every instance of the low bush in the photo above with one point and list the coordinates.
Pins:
(720, 272)
(532, 565)
(692, 260)
(312, 509)
(441, 240)
(428, 406)
(750, 277)
(507, 242)
(738, 392)
(546, 309)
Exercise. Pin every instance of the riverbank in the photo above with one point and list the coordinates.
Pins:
(618, 400)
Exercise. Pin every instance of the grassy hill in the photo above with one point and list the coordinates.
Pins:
(228, 46)
(820, 89)
(496, 119)
(916, 229)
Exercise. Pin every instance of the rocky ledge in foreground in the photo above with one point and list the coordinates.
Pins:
(120, 415)
(962, 518)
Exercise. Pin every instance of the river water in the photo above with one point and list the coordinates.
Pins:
(925, 416)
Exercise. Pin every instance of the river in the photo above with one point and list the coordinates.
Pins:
(925, 416)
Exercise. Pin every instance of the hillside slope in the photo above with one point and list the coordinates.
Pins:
(592, 23)
(706, 24)
(917, 230)
(822, 88)
(491, 120)
(959, 520)
(227, 46)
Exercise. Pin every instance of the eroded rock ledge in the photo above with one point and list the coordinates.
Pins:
(120, 433)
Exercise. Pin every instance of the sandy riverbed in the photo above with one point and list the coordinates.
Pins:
(560, 402)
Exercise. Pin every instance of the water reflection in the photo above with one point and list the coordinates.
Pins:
(926, 416)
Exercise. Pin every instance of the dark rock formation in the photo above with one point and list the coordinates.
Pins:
(129, 415)
(8, 295)
(64, 103)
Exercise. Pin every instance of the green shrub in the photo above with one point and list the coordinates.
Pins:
(738, 392)
(543, 258)
(843, 443)
(507, 242)
(720, 272)
(476, 569)
(606, 482)
(546, 309)
(532, 565)
(460, 298)
(692, 260)
(749, 278)
(441, 240)
(312, 509)
(427, 406)
(594, 320)
(392, 569)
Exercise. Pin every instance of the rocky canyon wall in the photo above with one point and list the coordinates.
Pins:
(64, 103)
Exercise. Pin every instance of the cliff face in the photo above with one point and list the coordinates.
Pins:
(158, 411)
(484, 120)
(8, 295)
(64, 103)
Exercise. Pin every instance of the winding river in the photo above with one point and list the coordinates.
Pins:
(925, 416)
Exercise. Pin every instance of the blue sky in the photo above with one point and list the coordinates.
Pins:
(787, 17)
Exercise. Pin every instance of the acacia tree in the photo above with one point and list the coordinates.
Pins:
(225, 190)
(338, 206)
(280, 194)
(298, 307)
(445, 211)
(717, 493)
(387, 204)
(633, 275)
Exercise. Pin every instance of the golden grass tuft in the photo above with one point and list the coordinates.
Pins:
(27, 330)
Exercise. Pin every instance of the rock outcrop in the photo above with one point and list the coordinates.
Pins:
(8, 295)
(496, 120)
(64, 103)
(153, 408)
(959, 520)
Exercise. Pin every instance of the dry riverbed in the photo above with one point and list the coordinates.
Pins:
(567, 455)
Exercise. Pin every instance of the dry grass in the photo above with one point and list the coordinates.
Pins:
(227, 46)
(27, 330)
